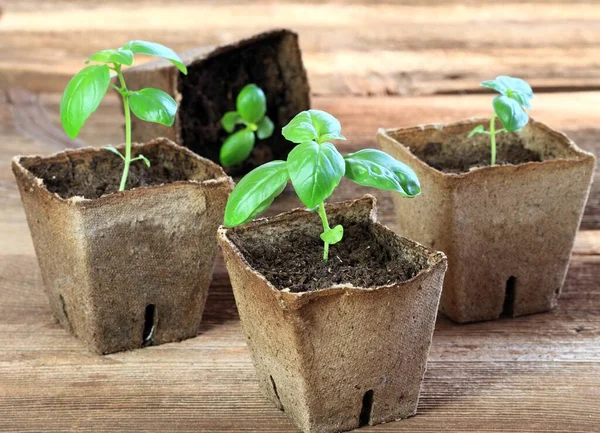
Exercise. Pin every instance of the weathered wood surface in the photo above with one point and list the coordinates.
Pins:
(362, 47)
(538, 373)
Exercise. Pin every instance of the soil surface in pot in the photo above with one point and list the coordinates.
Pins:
(364, 258)
(94, 173)
(210, 90)
(456, 156)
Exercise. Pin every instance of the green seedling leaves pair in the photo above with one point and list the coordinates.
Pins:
(87, 88)
(515, 94)
(509, 107)
(251, 109)
(315, 168)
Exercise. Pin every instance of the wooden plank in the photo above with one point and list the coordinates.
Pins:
(538, 373)
(381, 48)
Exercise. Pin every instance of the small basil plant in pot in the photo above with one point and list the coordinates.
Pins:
(251, 109)
(308, 282)
(122, 233)
(487, 205)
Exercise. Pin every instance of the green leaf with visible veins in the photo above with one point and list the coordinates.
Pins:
(153, 105)
(251, 103)
(255, 192)
(82, 97)
(510, 112)
(154, 49)
(313, 125)
(124, 57)
(315, 170)
(377, 169)
(237, 147)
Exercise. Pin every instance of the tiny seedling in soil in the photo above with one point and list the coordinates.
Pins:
(315, 168)
(251, 107)
(515, 94)
(87, 88)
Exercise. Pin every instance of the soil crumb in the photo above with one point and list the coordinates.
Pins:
(368, 256)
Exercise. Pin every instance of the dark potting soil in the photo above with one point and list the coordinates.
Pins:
(364, 258)
(96, 173)
(212, 85)
(454, 157)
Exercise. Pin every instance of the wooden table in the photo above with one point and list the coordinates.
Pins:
(418, 64)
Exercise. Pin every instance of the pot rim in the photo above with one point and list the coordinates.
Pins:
(580, 154)
(435, 258)
(220, 179)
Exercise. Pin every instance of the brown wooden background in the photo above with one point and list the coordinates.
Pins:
(373, 64)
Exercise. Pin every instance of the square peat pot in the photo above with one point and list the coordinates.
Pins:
(126, 269)
(345, 355)
(271, 60)
(508, 229)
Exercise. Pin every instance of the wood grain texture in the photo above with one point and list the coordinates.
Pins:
(350, 48)
(538, 373)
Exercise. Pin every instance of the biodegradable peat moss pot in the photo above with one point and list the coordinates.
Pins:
(124, 269)
(271, 60)
(507, 229)
(335, 350)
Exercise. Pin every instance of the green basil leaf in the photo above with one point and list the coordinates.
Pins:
(519, 97)
(315, 171)
(514, 88)
(300, 129)
(313, 125)
(333, 235)
(377, 169)
(124, 57)
(153, 105)
(255, 192)
(143, 158)
(114, 150)
(265, 128)
(327, 126)
(251, 103)
(82, 96)
(237, 147)
(479, 129)
(154, 49)
(510, 112)
(229, 120)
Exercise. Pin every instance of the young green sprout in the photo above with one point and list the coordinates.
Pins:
(515, 94)
(315, 168)
(251, 107)
(87, 88)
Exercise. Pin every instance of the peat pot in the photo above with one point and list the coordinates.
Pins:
(338, 344)
(124, 269)
(272, 60)
(508, 230)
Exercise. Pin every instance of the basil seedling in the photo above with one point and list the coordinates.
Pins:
(251, 107)
(86, 89)
(515, 94)
(315, 168)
